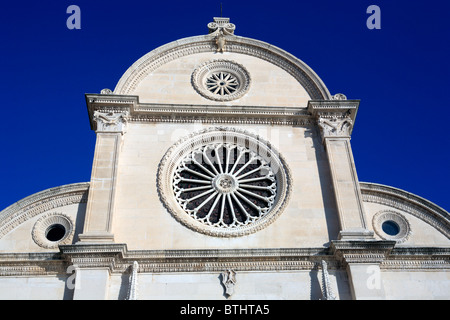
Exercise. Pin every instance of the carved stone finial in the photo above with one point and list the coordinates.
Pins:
(106, 91)
(229, 281)
(221, 24)
(339, 96)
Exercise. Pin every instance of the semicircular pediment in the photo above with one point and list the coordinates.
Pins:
(187, 54)
(393, 204)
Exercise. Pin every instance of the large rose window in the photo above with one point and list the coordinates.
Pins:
(223, 182)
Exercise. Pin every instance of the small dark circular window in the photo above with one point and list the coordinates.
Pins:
(390, 227)
(55, 232)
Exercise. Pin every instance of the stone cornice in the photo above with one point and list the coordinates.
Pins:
(354, 251)
(159, 112)
(118, 259)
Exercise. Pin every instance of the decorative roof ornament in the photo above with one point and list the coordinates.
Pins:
(106, 91)
(220, 28)
(339, 96)
(221, 25)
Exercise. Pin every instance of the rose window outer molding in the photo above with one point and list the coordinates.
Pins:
(224, 182)
(221, 80)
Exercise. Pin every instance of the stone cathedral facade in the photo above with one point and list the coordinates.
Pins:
(223, 169)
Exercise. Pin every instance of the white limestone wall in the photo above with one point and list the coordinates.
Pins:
(141, 221)
(33, 288)
(416, 285)
(282, 285)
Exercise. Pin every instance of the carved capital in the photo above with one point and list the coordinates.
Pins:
(335, 117)
(335, 126)
(110, 121)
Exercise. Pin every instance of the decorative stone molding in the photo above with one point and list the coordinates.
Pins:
(41, 228)
(169, 169)
(354, 251)
(110, 122)
(118, 259)
(133, 283)
(179, 113)
(327, 291)
(221, 80)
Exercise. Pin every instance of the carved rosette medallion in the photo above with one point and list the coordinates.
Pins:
(224, 182)
(221, 80)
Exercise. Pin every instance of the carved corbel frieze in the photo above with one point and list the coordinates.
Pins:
(111, 122)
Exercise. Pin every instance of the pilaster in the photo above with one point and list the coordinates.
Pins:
(110, 127)
(93, 265)
(335, 119)
(362, 260)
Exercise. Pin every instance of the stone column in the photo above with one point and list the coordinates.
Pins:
(335, 119)
(100, 205)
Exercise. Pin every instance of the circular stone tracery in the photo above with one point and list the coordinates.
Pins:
(223, 183)
(222, 83)
(221, 80)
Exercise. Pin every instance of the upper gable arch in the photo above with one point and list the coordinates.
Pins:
(155, 59)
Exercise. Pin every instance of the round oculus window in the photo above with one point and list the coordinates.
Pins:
(391, 225)
(221, 80)
(53, 229)
(224, 183)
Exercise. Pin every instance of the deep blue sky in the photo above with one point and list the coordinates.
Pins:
(400, 73)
